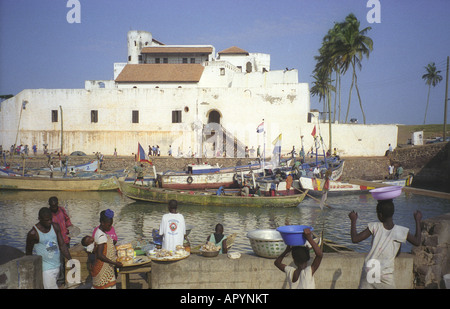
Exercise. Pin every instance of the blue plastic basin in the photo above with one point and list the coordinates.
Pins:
(293, 234)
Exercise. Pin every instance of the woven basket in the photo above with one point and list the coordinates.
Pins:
(266, 243)
(268, 248)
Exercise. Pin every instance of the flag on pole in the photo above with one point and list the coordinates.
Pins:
(276, 151)
(277, 144)
(141, 156)
(313, 133)
(260, 128)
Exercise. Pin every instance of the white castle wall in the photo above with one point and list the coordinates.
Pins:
(242, 99)
(284, 109)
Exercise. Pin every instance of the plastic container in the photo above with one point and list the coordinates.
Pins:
(293, 234)
(266, 243)
(386, 193)
(447, 281)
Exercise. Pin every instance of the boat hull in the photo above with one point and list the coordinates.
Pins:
(316, 185)
(197, 181)
(161, 195)
(57, 184)
(201, 180)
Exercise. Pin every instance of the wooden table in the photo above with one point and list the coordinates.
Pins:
(125, 271)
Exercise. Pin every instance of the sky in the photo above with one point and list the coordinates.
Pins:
(39, 48)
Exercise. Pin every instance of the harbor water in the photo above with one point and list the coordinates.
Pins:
(135, 220)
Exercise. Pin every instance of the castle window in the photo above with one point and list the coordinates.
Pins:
(54, 115)
(94, 116)
(249, 67)
(135, 117)
(222, 71)
(157, 60)
(185, 60)
(165, 60)
(192, 60)
(176, 116)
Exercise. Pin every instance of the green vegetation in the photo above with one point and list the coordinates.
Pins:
(432, 78)
(430, 131)
(343, 47)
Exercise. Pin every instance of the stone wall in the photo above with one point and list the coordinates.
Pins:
(430, 164)
(22, 273)
(432, 258)
(336, 271)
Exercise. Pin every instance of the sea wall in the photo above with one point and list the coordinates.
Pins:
(336, 271)
(424, 268)
(22, 273)
(432, 258)
(430, 164)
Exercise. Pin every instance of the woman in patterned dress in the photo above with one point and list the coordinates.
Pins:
(103, 274)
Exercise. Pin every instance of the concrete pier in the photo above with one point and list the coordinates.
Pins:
(337, 271)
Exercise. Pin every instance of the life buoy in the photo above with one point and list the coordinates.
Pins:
(189, 180)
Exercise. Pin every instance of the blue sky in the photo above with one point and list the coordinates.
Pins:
(40, 49)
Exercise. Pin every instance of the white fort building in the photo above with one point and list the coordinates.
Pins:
(185, 96)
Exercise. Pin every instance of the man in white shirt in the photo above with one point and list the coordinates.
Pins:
(172, 228)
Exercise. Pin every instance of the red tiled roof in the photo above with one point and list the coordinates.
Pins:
(234, 50)
(161, 73)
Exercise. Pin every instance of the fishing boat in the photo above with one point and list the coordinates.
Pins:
(162, 195)
(46, 183)
(91, 166)
(204, 176)
(315, 185)
(276, 179)
(308, 169)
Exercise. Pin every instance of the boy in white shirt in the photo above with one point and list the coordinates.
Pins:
(301, 277)
(172, 228)
(378, 269)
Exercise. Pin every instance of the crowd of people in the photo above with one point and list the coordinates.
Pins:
(50, 238)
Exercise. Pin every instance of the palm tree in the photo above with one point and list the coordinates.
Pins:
(352, 45)
(323, 87)
(432, 78)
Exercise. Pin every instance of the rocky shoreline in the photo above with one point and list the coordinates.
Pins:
(366, 168)
(430, 164)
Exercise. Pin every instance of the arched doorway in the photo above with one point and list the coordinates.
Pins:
(214, 117)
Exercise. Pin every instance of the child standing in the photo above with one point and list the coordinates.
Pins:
(301, 277)
(386, 242)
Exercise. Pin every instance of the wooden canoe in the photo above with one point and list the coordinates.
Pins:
(161, 195)
(57, 184)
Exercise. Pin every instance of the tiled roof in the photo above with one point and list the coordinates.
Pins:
(234, 50)
(161, 73)
(176, 50)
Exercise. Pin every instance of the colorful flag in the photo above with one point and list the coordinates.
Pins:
(260, 128)
(277, 144)
(142, 156)
(313, 133)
